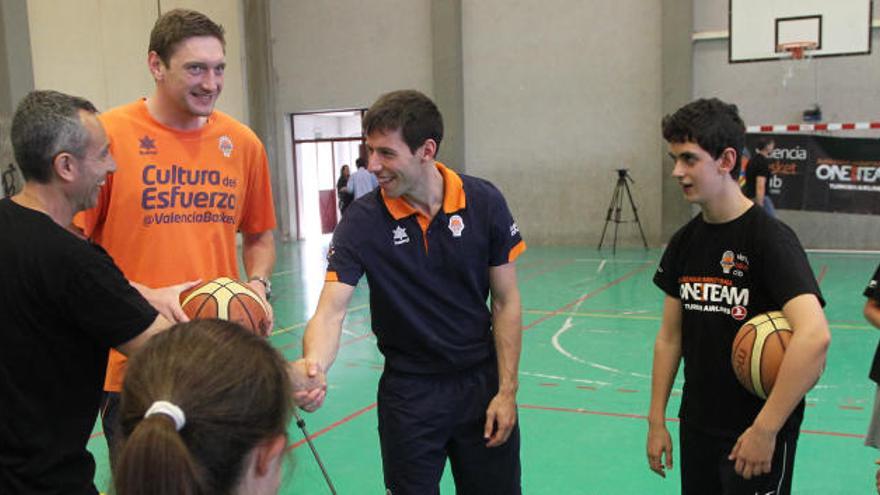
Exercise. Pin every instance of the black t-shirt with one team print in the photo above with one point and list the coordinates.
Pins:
(725, 274)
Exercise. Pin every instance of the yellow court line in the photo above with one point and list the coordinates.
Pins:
(287, 329)
(302, 324)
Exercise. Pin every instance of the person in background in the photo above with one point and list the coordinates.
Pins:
(362, 181)
(345, 197)
(758, 176)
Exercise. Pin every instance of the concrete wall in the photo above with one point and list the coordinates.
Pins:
(556, 99)
(677, 88)
(98, 48)
(343, 55)
(848, 91)
(546, 99)
(16, 75)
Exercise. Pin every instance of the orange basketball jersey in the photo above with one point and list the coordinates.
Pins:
(171, 210)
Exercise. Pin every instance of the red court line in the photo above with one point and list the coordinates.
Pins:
(833, 434)
(587, 296)
(356, 339)
(851, 408)
(331, 427)
(671, 420)
(822, 273)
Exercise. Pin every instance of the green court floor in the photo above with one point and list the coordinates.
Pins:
(589, 322)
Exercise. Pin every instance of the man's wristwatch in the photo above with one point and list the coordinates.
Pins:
(266, 283)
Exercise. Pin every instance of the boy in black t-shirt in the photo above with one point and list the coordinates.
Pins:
(872, 314)
(725, 266)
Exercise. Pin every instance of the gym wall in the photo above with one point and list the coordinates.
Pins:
(555, 98)
(98, 48)
(849, 91)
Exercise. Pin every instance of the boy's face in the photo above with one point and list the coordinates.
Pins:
(700, 175)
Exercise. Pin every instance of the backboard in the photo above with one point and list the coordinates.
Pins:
(761, 29)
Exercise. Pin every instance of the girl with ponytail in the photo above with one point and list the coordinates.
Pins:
(205, 408)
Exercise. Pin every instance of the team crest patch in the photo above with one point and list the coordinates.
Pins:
(727, 261)
(456, 225)
(226, 146)
(400, 236)
(739, 313)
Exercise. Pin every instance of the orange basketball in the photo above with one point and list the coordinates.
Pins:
(758, 349)
(227, 299)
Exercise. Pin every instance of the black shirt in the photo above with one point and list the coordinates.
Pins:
(725, 274)
(759, 166)
(873, 291)
(63, 304)
(428, 283)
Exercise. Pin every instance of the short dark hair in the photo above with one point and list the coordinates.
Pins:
(711, 123)
(177, 25)
(412, 112)
(763, 142)
(46, 123)
(360, 163)
(228, 409)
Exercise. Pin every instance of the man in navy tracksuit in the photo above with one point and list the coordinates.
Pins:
(434, 246)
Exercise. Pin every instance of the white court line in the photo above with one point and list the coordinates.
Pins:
(541, 375)
(597, 260)
(601, 266)
(567, 325)
(841, 251)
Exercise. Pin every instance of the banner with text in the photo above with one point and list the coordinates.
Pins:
(823, 173)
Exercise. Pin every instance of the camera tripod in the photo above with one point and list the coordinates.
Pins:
(9, 183)
(616, 207)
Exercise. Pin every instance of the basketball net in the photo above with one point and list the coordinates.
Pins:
(797, 57)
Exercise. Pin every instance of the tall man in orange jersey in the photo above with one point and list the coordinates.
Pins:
(189, 178)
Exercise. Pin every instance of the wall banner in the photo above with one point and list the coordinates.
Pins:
(823, 173)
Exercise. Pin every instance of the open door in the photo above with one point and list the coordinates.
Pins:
(323, 143)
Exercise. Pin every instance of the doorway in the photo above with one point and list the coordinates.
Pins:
(323, 142)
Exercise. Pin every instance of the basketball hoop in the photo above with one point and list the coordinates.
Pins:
(797, 49)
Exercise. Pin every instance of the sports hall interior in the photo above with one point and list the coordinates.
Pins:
(546, 100)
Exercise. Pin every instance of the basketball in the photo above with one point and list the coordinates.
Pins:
(227, 299)
(758, 349)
